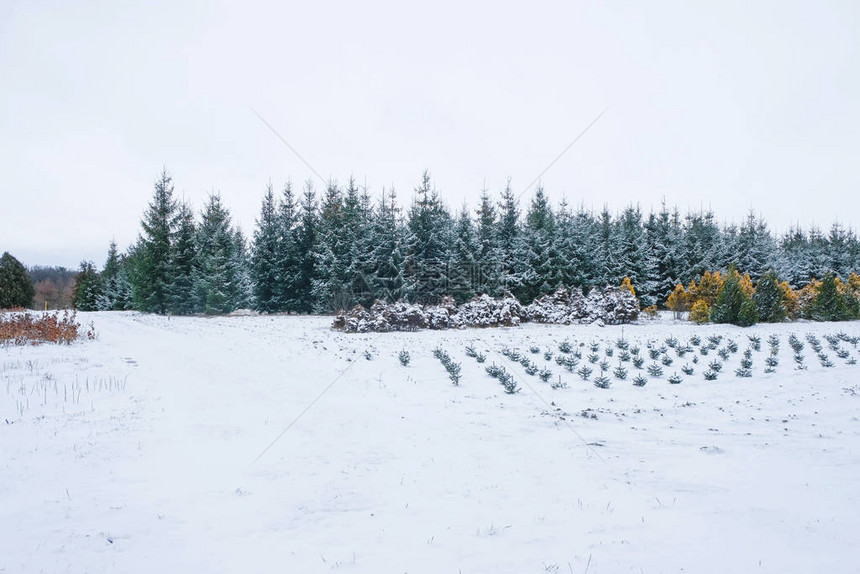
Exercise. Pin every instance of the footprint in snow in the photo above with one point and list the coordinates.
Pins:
(711, 449)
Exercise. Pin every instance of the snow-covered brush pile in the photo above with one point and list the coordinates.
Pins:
(610, 306)
(483, 311)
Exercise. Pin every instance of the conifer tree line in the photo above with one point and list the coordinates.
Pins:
(319, 251)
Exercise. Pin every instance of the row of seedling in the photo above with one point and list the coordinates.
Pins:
(449, 364)
(504, 377)
(472, 352)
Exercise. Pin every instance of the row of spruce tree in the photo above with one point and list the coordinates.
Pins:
(315, 253)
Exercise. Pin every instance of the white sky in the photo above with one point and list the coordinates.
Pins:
(737, 105)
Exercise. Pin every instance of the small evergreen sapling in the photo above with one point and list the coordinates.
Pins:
(655, 370)
(755, 342)
(795, 343)
(798, 362)
(453, 372)
(568, 363)
(639, 381)
(508, 382)
(773, 341)
(770, 364)
(404, 357)
(494, 370)
(602, 382)
(675, 379)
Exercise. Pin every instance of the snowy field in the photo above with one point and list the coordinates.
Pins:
(140, 452)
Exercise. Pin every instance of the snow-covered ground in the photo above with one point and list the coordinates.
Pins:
(141, 452)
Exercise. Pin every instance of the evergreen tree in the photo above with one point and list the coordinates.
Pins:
(386, 279)
(464, 263)
(663, 234)
(116, 289)
(183, 258)
(217, 278)
(358, 220)
(633, 256)
(330, 287)
(795, 261)
(701, 246)
(488, 276)
(830, 304)
(838, 251)
(730, 301)
(306, 238)
(579, 250)
(509, 240)
(16, 287)
(818, 254)
(88, 288)
(244, 291)
(606, 268)
(428, 245)
(768, 299)
(754, 247)
(540, 273)
(151, 274)
(748, 314)
(265, 257)
(289, 260)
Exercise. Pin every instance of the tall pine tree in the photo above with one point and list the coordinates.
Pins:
(151, 274)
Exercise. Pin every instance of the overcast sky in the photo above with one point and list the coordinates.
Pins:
(733, 106)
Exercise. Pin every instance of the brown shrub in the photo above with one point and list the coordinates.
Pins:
(20, 327)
